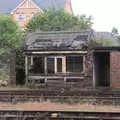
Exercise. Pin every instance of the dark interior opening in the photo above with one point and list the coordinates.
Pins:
(74, 63)
(59, 64)
(102, 69)
(38, 66)
(50, 65)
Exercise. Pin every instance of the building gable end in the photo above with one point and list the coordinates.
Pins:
(26, 4)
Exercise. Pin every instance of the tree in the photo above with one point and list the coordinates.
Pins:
(10, 36)
(106, 41)
(58, 20)
(115, 31)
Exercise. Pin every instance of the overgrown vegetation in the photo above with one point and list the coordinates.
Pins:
(20, 66)
(10, 34)
(52, 20)
(10, 39)
(106, 41)
(4, 68)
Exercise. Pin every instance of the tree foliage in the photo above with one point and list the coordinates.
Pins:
(10, 39)
(106, 41)
(20, 66)
(10, 36)
(115, 31)
(52, 20)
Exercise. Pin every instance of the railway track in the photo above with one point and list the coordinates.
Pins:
(90, 96)
(65, 92)
(57, 115)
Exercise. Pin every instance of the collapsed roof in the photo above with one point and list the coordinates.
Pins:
(59, 40)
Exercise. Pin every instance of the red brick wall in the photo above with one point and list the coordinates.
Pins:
(115, 69)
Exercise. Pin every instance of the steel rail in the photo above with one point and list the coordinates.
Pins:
(57, 115)
(93, 95)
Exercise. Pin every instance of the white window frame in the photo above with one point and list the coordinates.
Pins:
(55, 63)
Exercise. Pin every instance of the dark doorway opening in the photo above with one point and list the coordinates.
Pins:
(102, 69)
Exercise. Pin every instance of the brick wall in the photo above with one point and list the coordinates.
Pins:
(115, 69)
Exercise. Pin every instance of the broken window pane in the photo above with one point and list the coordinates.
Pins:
(74, 63)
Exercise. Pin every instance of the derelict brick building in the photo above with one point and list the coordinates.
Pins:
(68, 59)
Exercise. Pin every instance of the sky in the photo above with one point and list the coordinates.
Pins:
(105, 13)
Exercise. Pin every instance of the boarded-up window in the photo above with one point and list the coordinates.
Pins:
(74, 63)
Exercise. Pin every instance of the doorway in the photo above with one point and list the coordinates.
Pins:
(102, 69)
